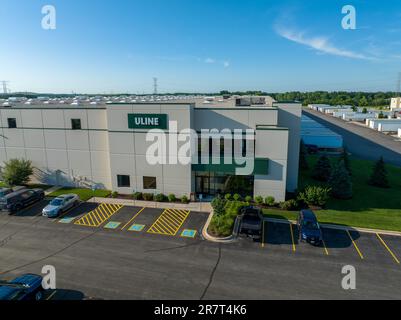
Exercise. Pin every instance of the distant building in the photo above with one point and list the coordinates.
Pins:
(395, 104)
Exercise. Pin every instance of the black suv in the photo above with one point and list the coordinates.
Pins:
(251, 221)
(309, 228)
(16, 201)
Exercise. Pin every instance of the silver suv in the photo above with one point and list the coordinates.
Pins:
(59, 205)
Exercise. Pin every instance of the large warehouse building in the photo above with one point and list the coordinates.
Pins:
(105, 145)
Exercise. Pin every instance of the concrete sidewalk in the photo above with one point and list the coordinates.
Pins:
(193, 206)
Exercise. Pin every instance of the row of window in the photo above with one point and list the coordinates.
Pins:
(75, 123)
(124, 181)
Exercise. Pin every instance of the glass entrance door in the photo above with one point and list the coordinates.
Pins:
(203, 185)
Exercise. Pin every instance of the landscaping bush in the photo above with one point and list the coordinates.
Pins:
(222, 225)
(137, 196)
(270, 201)
(114, 194)
(259, 200)
(315, 195)
(290, 205)
(322, 169)
(340, 182)
(248, 199)
(160, 197)
(148, 196)
(184, 199)
(17, 171)
(172, 197)
(228, 196)
(237, 197)
(218, 205)
(379, 175)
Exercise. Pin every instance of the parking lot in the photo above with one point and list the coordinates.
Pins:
(338, 245)
(111, 251)
(127, 219)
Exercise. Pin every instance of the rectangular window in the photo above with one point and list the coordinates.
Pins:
(123, 181)
(12, 123)
(76, 124)
(149, 183)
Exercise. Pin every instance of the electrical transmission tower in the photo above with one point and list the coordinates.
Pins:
(5, 86)
(155, 85)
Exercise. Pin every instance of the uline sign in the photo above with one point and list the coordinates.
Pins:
(147, 121)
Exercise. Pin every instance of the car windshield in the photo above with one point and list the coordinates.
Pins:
(311, 225)
(56, 202)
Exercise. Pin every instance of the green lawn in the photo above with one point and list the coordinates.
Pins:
(84, 194)
(370, 207)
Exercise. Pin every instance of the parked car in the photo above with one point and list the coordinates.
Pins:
(251, 221)
(16, 201)
(309, 228)
(6, 191)
(26, 287)
(59, 205)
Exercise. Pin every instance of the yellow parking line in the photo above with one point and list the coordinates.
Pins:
(133, 218)
(51, 295)
(263, 234)
(355, 246)
(183, 220)
(325, 248)
(388, 249)
(171, 220)
(292, 238)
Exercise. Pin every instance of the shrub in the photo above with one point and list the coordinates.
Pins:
(340, 182)
(172, 197)
(237, 197)
(315, 195)
(114, 194)
(258, 200)
(270, 201)
(218, 205)
(160, 197)
(137, 196)
(248, 199)
(184, 199)
(148, 196)
(378, 177)
(17, 171)
(322, 169)
(289, 205)
(228, 196)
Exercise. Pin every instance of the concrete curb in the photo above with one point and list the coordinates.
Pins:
(339, 227)
(52, 189)
(208, 237)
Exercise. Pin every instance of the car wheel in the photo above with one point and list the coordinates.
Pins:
(38, 295)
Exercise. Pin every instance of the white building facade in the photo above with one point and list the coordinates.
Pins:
(105, 146)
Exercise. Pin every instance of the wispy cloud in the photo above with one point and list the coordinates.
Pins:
(320, 44)
(210, 60)
(226, 64)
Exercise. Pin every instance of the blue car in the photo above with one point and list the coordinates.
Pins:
(309, 228)
(26, 287)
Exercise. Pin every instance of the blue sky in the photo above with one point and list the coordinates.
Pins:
(200, 46)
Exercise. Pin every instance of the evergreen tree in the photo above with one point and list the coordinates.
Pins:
(345, 158)
(322, 169)
(379, 175)
(340, 182)
(303, 163)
